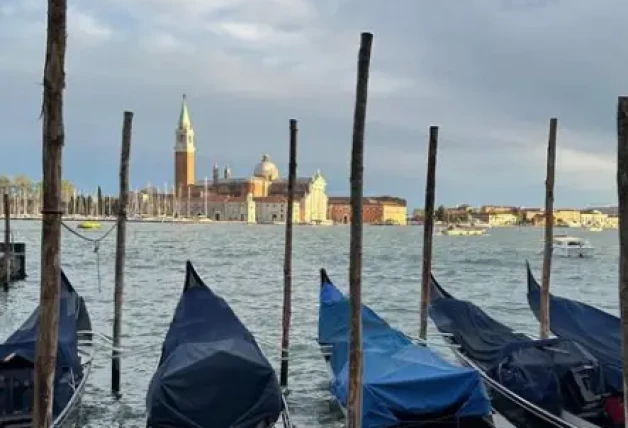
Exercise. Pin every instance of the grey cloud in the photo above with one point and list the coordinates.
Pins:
(490, 73)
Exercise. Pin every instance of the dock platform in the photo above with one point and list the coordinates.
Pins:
(17, 262)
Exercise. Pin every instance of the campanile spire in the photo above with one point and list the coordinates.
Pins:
(184, 149)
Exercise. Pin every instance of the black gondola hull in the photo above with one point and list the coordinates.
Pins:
(484, 344)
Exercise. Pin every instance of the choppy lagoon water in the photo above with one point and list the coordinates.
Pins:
(245, 265)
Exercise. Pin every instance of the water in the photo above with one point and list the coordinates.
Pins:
(245, 265)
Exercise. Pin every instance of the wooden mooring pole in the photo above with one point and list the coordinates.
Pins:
(52, 148)
(428, 229)
(622, 193)
(287, 262)
(7, 240)
(354, 404)
(549, 230)
(118, 296)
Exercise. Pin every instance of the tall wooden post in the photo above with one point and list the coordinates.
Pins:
(354, 405)
(549, 230)
(622, 193)
(118, 297)
(52, 147)
(7, 240)
(287, 261)
(428, 229)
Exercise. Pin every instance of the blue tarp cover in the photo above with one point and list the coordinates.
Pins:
(598, 331)
(212, 374)
(537, 370)
(399, 377)
(23, 341)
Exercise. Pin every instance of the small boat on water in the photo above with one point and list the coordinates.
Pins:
(567, 224)
(571, 246)
(463, 231)
(74, 360)
(404, 384)
(212, 373)
(89, 225)
(532, 383)
(595, 228)
(598, 331)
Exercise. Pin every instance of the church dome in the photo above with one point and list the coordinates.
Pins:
(266, 169)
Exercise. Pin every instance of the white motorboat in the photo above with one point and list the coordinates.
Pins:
(571, 246)
(463, 231)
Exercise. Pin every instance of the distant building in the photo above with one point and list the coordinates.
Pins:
(563, 217)
(496, 218)
(272, 209)
(375, 210)
(528, 215)
(498, 209)
(612, 222)
(461, 213)
(224, 208)
(593, 218)
(418, 214)
(567, 217)
(184, 151)
(235, 199)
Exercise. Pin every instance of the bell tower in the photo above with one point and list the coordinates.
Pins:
(184, 151)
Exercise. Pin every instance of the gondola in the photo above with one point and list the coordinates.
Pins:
(74, 360)
(212, 373)
(532, 383)
(598, 331)
(404, 384)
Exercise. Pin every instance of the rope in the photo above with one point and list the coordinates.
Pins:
(96, 242)
(87, 238)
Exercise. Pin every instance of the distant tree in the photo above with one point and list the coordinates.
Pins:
(5, 184)
(521, 217)
(82, 203)
(113, 205)
(67, 190)
(441, 213)
(23, 184)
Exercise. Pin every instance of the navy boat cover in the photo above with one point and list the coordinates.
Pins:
(596, 330)
(72, 317)
(211, 372)
(543, 372)
(400, 378)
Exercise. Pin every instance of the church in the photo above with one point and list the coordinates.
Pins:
(260, 198)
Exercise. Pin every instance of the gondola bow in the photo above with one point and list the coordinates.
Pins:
(404, 384)
(212, 372)
(598, 331)
(534, 383)
(17, 361)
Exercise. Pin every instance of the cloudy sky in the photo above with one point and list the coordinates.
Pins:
(490, 73)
